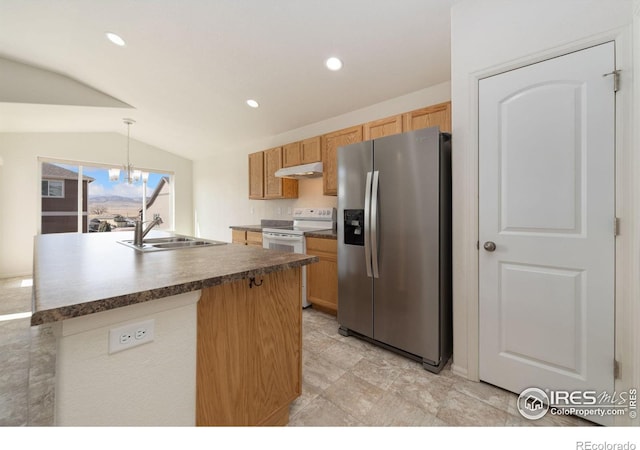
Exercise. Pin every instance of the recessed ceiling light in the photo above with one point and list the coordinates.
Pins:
(253, 103)
(116, 39)
(333, 63)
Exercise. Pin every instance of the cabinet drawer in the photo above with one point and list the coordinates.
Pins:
(322, 245)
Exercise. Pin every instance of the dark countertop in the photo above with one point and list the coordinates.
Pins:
(264, 223)
(325, 234)
(77, 274)
(256, 228)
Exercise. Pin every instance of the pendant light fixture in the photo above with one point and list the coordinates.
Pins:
(131, 175)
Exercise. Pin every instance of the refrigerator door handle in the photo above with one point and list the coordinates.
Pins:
(374, 224)
(367, 224)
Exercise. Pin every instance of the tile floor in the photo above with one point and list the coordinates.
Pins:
(349, 382)
(27, 360)
(346, 381)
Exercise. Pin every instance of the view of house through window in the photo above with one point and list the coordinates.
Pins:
(96, 204)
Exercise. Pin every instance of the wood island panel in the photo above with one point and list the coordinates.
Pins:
(249, 365)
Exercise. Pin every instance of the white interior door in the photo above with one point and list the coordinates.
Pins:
(547, 201)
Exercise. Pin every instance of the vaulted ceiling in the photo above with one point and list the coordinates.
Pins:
(189, 66)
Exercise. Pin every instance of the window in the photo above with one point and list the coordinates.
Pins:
(81, 198)
(53, 188)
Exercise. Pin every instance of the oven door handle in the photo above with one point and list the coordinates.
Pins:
(273, 237)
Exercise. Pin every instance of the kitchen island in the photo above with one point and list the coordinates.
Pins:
(220, 331)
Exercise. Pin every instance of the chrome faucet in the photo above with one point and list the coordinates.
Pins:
(139, 234)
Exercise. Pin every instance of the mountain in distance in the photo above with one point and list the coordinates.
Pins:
(114, 198)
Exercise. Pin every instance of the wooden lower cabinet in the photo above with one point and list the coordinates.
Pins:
(239, 237)
(322, 277)
(254, 238)
(249, 356)
(246, 237)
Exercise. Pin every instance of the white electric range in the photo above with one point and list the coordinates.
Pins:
(292, 238)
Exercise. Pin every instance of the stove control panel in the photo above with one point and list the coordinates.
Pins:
(328, 214)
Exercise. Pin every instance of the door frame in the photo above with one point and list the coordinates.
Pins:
(627, 205)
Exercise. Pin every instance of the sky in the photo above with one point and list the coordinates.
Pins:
(101, 186)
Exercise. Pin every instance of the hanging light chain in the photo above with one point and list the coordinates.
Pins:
(129, 168)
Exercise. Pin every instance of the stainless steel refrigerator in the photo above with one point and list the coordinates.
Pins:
(394, 244)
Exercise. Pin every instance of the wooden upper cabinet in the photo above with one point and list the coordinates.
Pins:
(301, 152)
(436, 115)
(291, 155)
(272, 162)
(330, 144)
(256, 175)
(310, 150)
(263, 184)
(262, 165)
(275, 187)
(382, 127)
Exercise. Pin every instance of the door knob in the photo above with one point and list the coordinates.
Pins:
(489, 246)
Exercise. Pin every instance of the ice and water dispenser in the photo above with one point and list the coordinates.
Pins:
(354, 226)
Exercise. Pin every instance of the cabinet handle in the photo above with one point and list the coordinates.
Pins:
(253, 282)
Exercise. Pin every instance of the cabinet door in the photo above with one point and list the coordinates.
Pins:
(275, 187)
(436, 115)
(256, 175)
(310, 150)
(291, 155)
(223, 370)
(249, 366)
(277, 362)
(254, 238)
(382, 127)
(238, 237)
(272, 162)
(330, 144)
(322, 277)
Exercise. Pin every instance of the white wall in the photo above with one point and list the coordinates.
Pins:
(20, 190)
(491, 36)
(221, 184)
(153, 384)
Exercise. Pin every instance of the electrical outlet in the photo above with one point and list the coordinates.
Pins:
(131, 335)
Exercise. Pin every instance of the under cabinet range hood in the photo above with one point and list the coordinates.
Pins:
(311, 170)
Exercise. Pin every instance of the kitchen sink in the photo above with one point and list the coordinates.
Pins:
(170, 243)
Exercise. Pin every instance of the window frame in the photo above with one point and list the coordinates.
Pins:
(170, 221)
